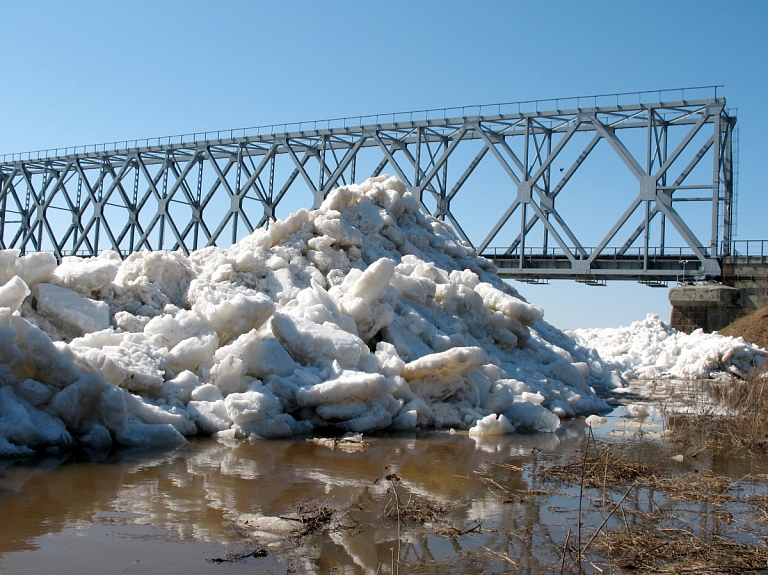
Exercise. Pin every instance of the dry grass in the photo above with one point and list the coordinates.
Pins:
(676, 551)
(740, 421)
(312, 518)
(606, 465)
(411, 509)
(699, 487)
(665, 542)
(752, 327)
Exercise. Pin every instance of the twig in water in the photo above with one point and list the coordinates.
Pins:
(503, 556)
(607, 518)
(581, 494)
(565, 549)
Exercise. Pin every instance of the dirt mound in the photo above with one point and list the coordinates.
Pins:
(752, 327)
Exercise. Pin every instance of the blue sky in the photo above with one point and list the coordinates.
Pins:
(87, 72)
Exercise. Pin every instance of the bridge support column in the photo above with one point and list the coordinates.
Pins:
(709, 307)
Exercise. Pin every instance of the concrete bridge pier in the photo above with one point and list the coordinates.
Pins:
(711, 307)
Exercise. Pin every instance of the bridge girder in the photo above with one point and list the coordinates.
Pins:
(189, 192)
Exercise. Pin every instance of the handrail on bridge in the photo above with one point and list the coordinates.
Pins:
(637, 252)
(747, 248)
(521, 107)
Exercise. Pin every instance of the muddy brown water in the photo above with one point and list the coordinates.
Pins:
(134, 512)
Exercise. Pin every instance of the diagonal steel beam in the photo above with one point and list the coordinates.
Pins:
(616, 227)
(682, 145)
(388, 156)
(492, 147)
(304, 174)
(499, 224)
(609, 134)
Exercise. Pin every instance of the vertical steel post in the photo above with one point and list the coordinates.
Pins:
(443, 187)
(523, 209)
(3, 205)
(272, 188)
(647, 234)
(76, 214)
(134, 214)
(662, 161)
(417, 166)
(547, 183)
(652, 148)
(99, 206)
(40, 202)
(524, 204)
(716, 163)
(728, 184)
(321, 179)
(197, 214)
(165, 167)
(236, 215)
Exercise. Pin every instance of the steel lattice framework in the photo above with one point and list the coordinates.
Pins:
(187, 192)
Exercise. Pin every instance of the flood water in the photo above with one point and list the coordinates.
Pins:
(483, 508)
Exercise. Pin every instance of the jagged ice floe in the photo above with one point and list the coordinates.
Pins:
(364, 314)
(651, 349)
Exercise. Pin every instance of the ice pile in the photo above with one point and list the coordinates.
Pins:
(361, 315)
(651, 349)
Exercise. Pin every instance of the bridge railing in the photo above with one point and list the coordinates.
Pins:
(749, 248)
(510, 108)
(607, 253)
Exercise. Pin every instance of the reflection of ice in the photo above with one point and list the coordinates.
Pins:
(203, 492)
(330, 482)
(517, 444)
(485, 509)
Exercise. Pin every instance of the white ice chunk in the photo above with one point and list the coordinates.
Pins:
(145, 434)
(180, 387)
(530, 417)
(492, 425)
(8, 259)
(79, 403)
(251, 406)
(13, 293)
(23, 425)
(34, 392)
(113, 409)
(456, 361)
(97, 437)
(86, 275)
(209, 416)
(167, 274)
(36, 267)
(509, 305)
(43, 360)
(305, 339)
(595, 420)
(231, 311)
(271, 359)
(71, 313)
(190, 353)
(349, 385)
(206, 392)
(169, 329)
(154, 414)
(566, 372)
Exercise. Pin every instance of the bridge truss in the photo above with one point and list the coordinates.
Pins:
(187, 192)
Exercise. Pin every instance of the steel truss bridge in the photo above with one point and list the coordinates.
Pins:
(187, 192)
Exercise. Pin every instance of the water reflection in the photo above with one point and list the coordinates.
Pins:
(174, 510)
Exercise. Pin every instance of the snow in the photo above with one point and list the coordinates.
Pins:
(651, 349)
(362, 315)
